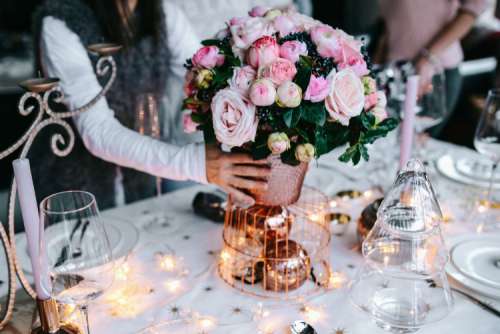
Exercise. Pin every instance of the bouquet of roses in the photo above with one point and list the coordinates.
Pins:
(283, 83)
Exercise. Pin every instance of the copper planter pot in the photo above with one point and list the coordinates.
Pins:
(284, 184)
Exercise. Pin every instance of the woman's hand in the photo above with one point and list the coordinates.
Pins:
(235, 173)
(426, 71)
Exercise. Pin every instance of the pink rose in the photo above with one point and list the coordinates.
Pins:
(258, 11)
(354, 59)
(370, 101)
(327, 41)
(189, 125)
(284, 25)
(208, 57)
(318, 89)
(242, 79)
(279, 71)
(237, 21)
(262, 93)
(346, 98)
(303, 22)
(380, 114)
(248, 31)
(234, 118)
(292, 50)
(289, 95)
(263, 51)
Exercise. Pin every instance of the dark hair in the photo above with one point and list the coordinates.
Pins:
(125, 27)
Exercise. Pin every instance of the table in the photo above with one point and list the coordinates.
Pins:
(198, 241)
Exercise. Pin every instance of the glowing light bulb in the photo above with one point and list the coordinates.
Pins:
(168, 263)
(225, 256)
(313, 314)
(333, 204)
(122, 272)
(173, 286)
(368, 193)
(336, 280)
(206, 323)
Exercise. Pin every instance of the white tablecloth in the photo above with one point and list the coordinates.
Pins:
(198, 240)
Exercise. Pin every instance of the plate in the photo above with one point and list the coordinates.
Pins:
(457, 170)
(123, 237)
(479, 259)
(466, 280)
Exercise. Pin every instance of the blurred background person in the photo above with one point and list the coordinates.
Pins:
(428, 32)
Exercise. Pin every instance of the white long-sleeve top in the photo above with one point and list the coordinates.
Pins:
(64, 57)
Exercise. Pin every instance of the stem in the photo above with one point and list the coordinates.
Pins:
(85, 311)
(490, 187)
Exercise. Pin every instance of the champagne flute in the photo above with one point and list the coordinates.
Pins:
(78, 248)
(487, 139)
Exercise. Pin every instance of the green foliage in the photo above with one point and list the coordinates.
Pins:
(304, 70)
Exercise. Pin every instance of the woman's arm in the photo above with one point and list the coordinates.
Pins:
(64, 56)
(452, 32)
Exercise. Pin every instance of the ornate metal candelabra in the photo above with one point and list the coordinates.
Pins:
(42, 91)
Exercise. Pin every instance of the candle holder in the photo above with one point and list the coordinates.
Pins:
(277, 252)
(41, 91)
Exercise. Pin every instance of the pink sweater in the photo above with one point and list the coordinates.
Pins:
(412, 25)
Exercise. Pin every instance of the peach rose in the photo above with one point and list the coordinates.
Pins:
(262, 93)
(289, 95)
(279, 71)
(234, 118)
(346, 98)
(318, 89)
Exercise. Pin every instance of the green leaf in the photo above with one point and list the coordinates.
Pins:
(198, 118)
(288, 157)
(364, 152)
(291, 117)
(314, 113)
(356, 157)
(210, 42)
(367, 119)
(321, 142)
(349, 153)
(304, 70)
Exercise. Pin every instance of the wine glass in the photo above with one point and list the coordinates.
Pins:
(77, 247)
(487, 140)
(147, 121)
(431, 109)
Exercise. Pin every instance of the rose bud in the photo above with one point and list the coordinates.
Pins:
(289, 95)
(278, 142)
(258, 11)
(204, 78)
(273, 13)
(305, 152)
(263, 51)
(208, 57)
(262, 93)
(369, 84)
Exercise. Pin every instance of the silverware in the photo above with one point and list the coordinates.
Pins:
(471, 298)
(301, 327)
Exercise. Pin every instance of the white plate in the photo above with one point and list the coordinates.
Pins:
(123, 237)
(447, 165)
(466, 279)
(479, 259)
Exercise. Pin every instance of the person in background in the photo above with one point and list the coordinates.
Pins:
(427, 31)
(109, 159)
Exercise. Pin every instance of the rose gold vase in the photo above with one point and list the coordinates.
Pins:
(284, 184)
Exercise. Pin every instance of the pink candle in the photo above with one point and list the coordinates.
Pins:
(31, 220)
(407, 128)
